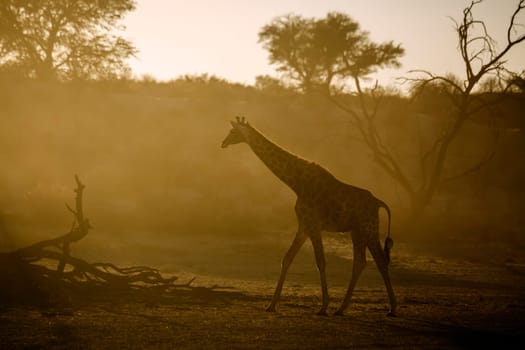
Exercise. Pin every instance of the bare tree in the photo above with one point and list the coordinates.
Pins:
(484, 67)
(482, 61)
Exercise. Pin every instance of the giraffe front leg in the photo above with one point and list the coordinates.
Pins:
(297, 243)
(321, 266)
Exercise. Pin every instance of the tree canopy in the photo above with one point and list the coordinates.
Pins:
(64, 39)
(319, 52)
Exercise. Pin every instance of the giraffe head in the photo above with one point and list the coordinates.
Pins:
(236, 135)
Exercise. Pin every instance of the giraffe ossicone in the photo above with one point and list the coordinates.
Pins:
(324, 203)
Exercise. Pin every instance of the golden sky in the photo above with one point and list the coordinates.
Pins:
(219, 37)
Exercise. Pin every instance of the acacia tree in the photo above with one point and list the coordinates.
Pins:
(321, 53)
(64, 39)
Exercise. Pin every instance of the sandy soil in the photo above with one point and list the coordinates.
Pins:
(459, 295)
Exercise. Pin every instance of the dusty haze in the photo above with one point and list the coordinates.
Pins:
(150, 156)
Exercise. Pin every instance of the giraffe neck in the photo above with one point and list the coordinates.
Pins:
(285, 165)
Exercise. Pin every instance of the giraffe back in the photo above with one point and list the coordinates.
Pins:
(334, 205)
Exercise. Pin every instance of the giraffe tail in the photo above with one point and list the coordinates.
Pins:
(389, 242)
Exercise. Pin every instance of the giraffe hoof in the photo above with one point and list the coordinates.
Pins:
(339, 313)
(270, 309)
(392, 314)
(322, 313)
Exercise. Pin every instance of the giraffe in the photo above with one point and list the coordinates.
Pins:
(323, 204)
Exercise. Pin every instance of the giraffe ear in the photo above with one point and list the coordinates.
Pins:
(234, 124)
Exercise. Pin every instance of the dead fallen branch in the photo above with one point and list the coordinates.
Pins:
(47, 266)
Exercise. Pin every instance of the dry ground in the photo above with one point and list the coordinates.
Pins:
(459, 295)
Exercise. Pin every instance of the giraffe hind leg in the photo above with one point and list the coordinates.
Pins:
(382, 264)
